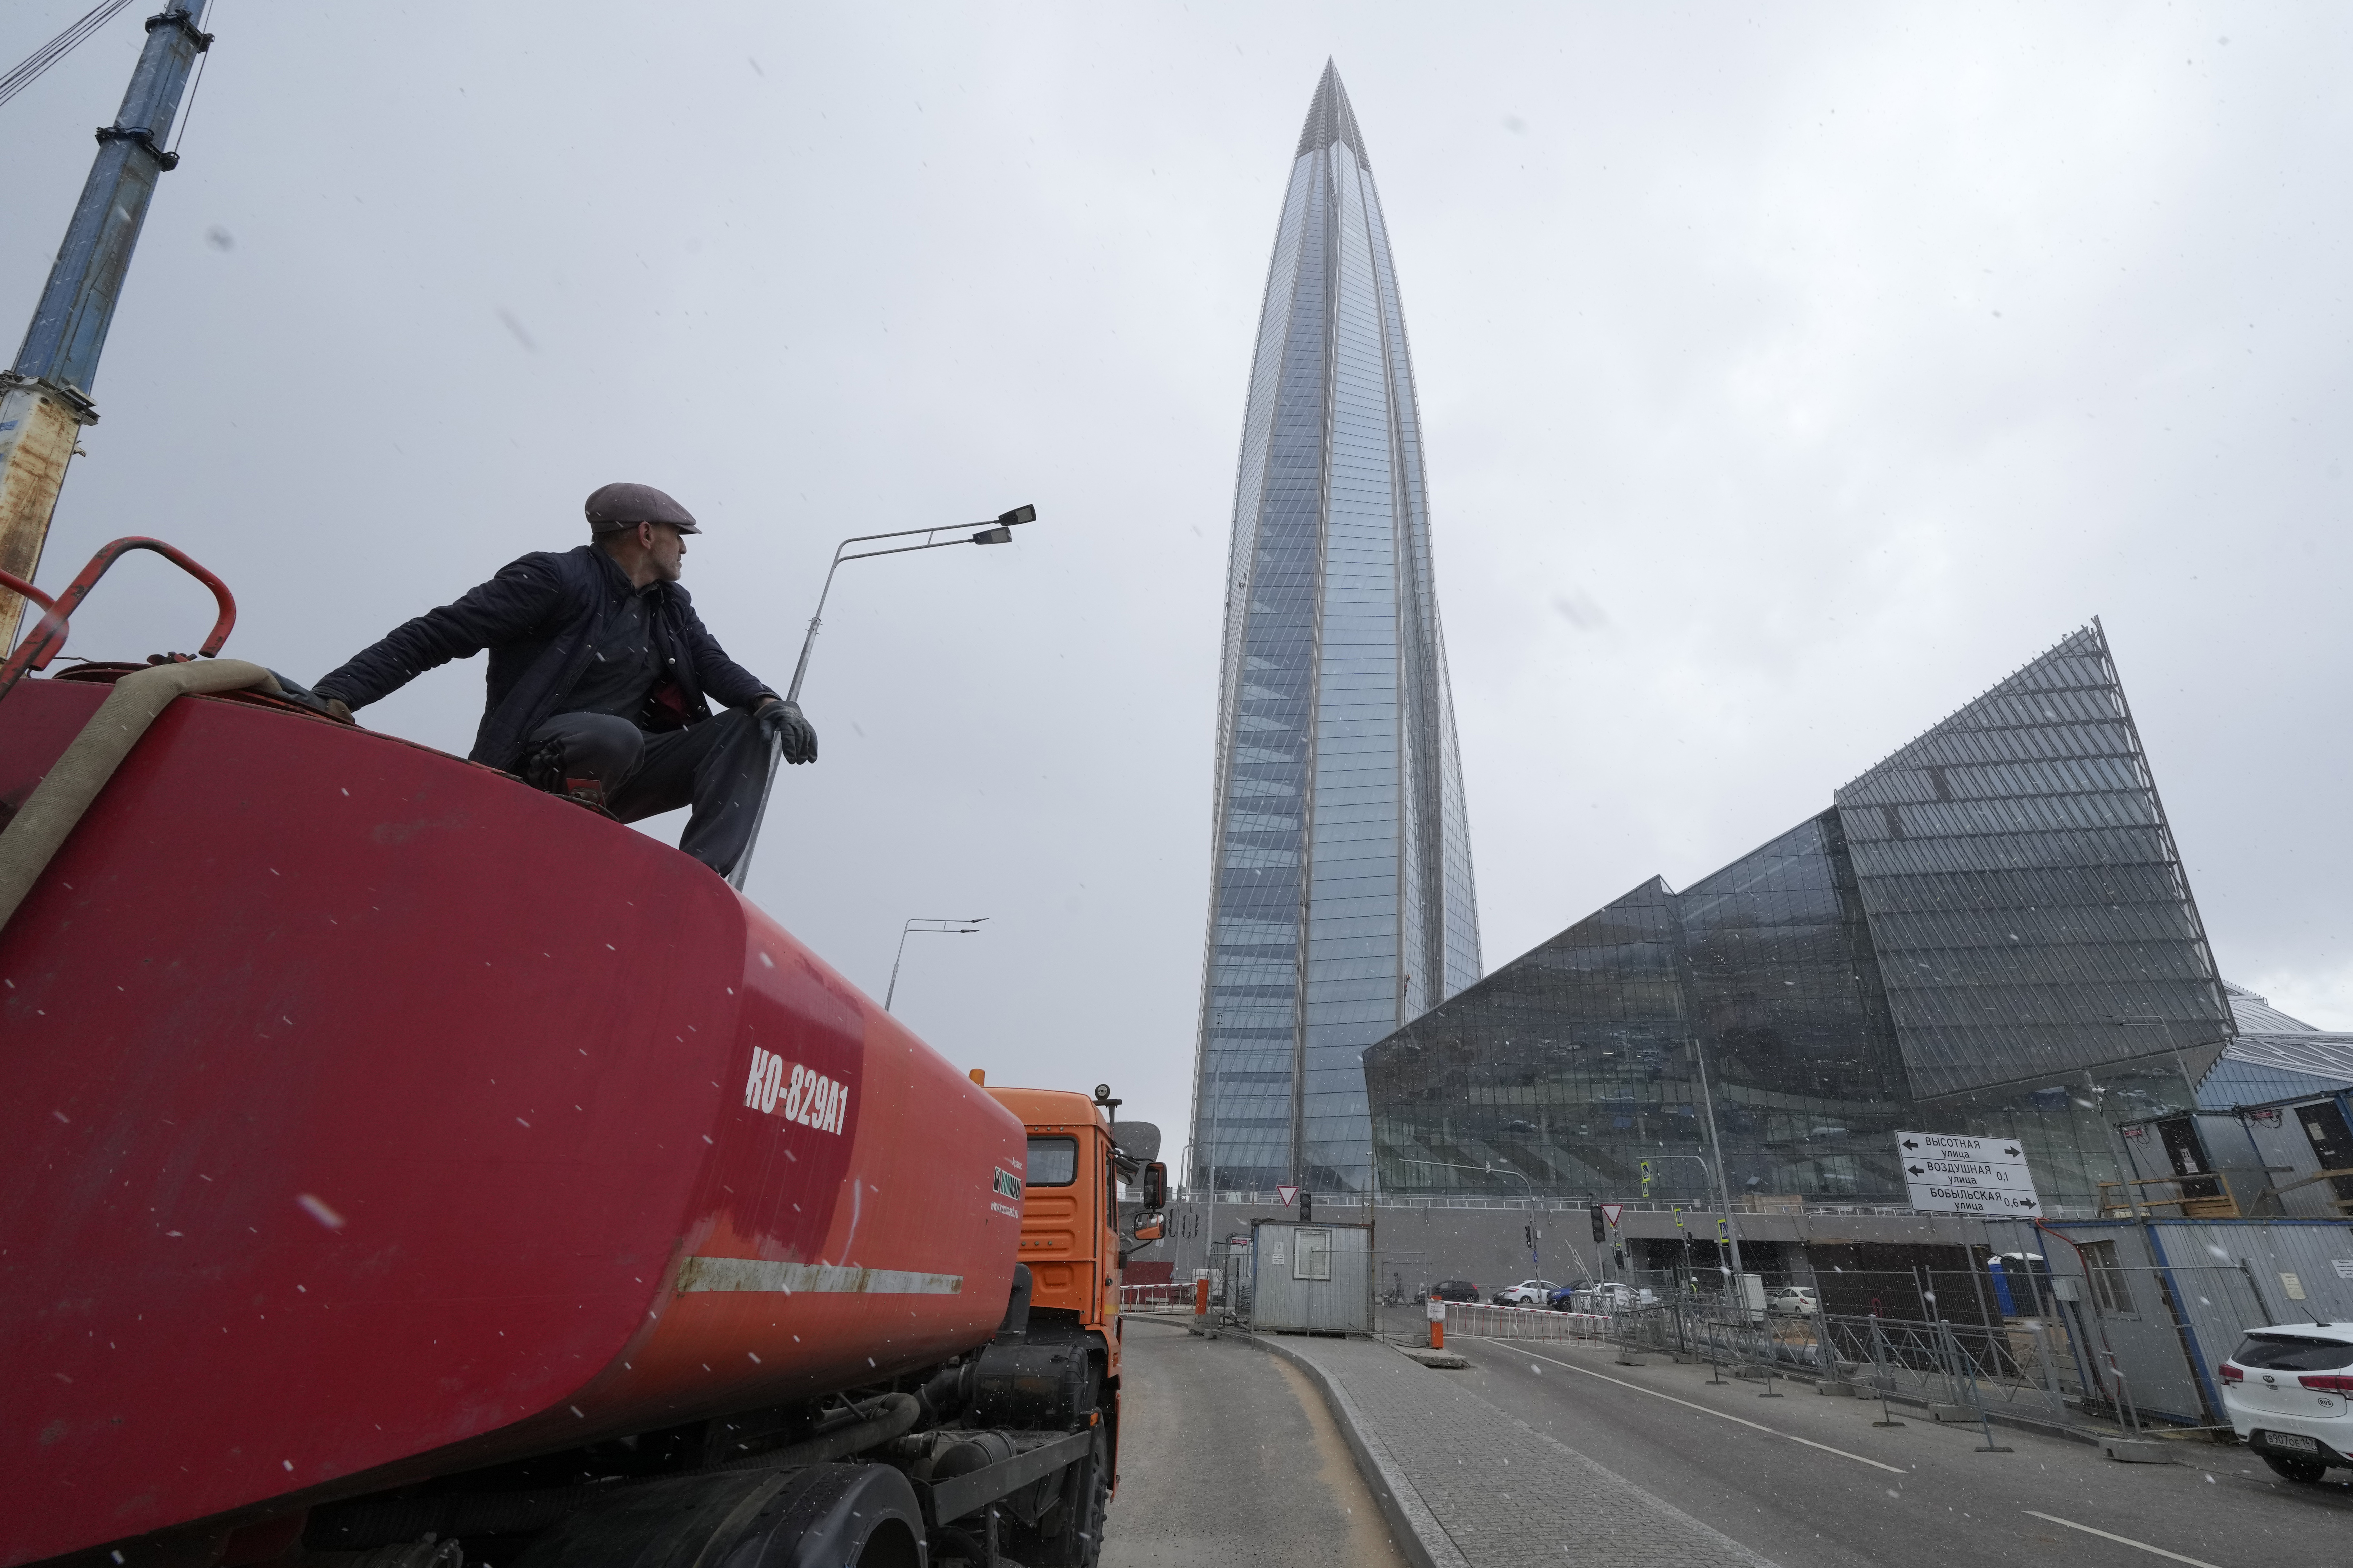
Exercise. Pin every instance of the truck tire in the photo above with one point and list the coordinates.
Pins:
(1071, 1536)
(829, 1515)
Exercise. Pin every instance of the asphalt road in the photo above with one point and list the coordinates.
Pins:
(1904, 1496)
(1229, 1455)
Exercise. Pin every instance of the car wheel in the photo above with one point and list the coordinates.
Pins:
(2296, 1470)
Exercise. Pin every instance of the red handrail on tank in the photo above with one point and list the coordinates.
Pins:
(48, 637)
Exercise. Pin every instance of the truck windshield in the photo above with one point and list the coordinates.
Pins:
(1053, 1162)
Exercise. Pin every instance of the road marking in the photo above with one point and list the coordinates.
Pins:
(2120, 1540)
(1721, 1416)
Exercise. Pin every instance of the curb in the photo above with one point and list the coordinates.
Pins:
(1412, 1526)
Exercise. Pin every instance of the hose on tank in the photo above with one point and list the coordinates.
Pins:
(73, 781)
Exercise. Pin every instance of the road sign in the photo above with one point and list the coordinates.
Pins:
(1969, 1173)
(1950, 1146)
(1611, 1211)
(1948, 1173)
(1286, 1194)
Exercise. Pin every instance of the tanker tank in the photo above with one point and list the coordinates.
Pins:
(372, 1116)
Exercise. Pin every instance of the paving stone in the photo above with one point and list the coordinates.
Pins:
(1492, 1492)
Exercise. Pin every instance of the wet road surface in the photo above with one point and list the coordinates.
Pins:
(1229, 1455)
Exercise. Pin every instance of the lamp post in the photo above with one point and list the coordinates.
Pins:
(999, 532)
(1707, 1168)
(1492, 1169)
(927, 925)
(1715, 1146)
(1706, 1171)
(1209, 1222)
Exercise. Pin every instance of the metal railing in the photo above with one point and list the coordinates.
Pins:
(1545, 1204)
(1173, 1296)
(2026, 1369)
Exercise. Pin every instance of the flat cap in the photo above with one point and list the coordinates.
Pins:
(618, 506)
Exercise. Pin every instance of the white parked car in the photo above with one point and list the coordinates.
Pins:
(2285, 1390)
(1526, 1293)
(1793, 1300)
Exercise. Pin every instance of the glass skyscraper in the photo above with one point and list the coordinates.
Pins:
(1989, 932)
(1341, 901)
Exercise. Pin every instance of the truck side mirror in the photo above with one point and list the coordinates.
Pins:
(1156, 1186)
(1148, 1232)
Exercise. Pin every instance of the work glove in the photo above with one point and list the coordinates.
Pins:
(782, 722)
(291, 691)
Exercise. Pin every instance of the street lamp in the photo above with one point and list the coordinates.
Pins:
(1492, 1169)
(1716, 1147)
(927, 925)
(1708, 1171)
(998, 531)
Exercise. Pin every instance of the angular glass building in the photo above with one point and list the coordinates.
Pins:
(1342, 902)
(1989, 933)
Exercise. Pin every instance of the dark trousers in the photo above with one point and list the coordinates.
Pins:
(720, 767)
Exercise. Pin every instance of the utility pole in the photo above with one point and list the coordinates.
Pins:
(44, 396)
(1723, 1188)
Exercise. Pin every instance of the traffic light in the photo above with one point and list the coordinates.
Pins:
(1530, 1231)
(1600, 1226)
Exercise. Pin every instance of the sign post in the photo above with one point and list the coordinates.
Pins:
(1948, 1173)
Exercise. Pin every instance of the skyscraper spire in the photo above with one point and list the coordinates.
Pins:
(1330, 119)
(1342, 903)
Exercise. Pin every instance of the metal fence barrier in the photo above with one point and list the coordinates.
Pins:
(1176, 1297)
(2025, 1370)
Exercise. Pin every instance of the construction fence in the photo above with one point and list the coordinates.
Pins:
(2039, 1350)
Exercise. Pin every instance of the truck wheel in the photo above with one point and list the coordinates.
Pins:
(829, 1514)
(1071, 1536)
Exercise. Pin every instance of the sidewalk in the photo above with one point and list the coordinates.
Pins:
(1479, 1490)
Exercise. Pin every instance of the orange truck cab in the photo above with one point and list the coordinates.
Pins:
(1072, 1243)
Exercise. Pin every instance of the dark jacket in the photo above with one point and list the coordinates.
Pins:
(542, 618)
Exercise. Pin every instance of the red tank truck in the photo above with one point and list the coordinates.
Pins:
(404, 1168)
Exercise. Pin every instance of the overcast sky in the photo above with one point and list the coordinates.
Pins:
(1790, 375)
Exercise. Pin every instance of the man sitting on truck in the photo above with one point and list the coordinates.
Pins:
(600, 673)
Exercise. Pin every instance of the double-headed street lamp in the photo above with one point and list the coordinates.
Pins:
(998, 531)
(932, 925)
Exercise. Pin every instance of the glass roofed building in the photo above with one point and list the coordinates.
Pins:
(2276, 1057)
(1341, 901)
(1989, 932)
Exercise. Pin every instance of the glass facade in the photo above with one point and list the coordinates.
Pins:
(1342, 901)
(2023, 890)
(2276, 1057)
(1989, 932)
